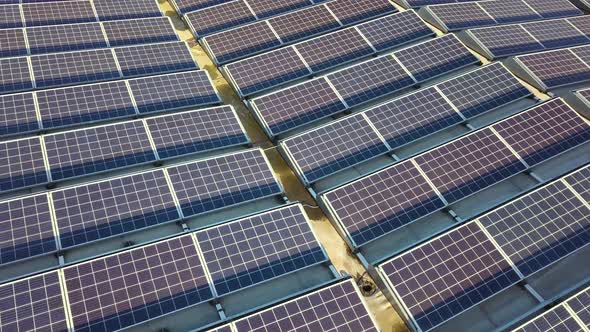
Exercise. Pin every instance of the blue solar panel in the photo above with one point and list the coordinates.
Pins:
(354, 11)
(53, 13)
(555, 68)
(508, 11)
(556, 33)
(21, 164)
(126, 9)
(505, 40)
(139, 31)
(10, 17)
(12, 43)
(216, 18)
(394, 30)
(17, 114)
(63, 38)
(580, 181)
(14, 75)
(557, 319)
(154, 59)
(185, 6)
(580, 305)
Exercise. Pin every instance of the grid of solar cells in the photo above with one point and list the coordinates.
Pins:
(262, 72)
(266, 8)
(470, 164)
(155, 58)
(482, 90)
(554, 8)
(583, 52)
(62, 38)
(448, 275)
(508, 11)
(409, 118)
(556, 68)
(25, 229)
(225, 328)
(219, 182)
(183, 90)
(10, 17)
(105, 209)
(394, 30)
(133, 32)
(196, 131)
(461, 16)
(370, 80)
(12, 43)
(185, 6)
(33, 304)
(121, 290)
(14, 75)
(300, 104)
(304, 23)
(332, 148)
(333, 308)
(506, 40)
(126, 9)
(17, 114)
(353, 11)
(582, 23)
(556, 33)
(382, 202)
(580, 304)
(83, 104)
(52, 13)
(74, 67)
(217, 18)
(544, 131)
(580, 181)
(557, 319)
(435, 57)
(256, 249)
(98, 149)
(21, 164)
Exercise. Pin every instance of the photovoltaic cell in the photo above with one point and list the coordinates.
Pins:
(256, 249)
(304, 23)
(144, 31)
(462, 15)
(507, 40)
(554, 8)
(109, 208)
(98, 149)
(21, 164)
(266, 8)
(10, 17)
(448, 275)
(583, 52)
(556, 68)
(215, 183)
(470, 164)
(329, 149)
(14, 75)
(556, 33)
(544, 131)
(63, 38)
(213, 19)
(509, 11)
(580, 181)
(353, 11)
(17, 114)
(154, 59)
(137, 285)
(382, 202)
(126, 9)
(394, 30)
(53, 13)
(557, 319)
(582, 23)
(25, 229)
(196, 131)
(12, 43)
(336, 307)
(182, 90)
(580, 304)
(34, 303)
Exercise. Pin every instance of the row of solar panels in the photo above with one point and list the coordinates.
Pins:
(352, 140)
(311, 57)
(260, 8)
(65, 12)
(83, 36)
(31, 112)
(247, 40)
(54, 157)
(72, 68)
(449, 274)
(284, 110)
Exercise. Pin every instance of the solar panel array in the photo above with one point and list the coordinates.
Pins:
(505, 40)
(98, 149)
(347, 142)
(459, 16)
(30, 112)
(84, 36)
(463, 267)
(555, 320)
(292, 107)
(278, 67)
(453, 171)
(257, 37)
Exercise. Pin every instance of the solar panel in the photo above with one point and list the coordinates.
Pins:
(262, 72)
(53, 13)
(412, 117)
(196, 131)
(137, 285)
(253, 250)
(185, 6)
(104, 209)
(98, 149)
(154, 59)
(26, 229)
(62, 38)
(213, 19)
(21, 164)
(332, 148)
(143, 31)
(507, 40)
(84, 104)
(126, 9)
(336, 307)
(556, 33)
(556, 68)
(580, 305)
(557, 319)
(354, 11)
(582, 23)
(12, 43)
(583, 52)
(469, 164)
(267, 8)
(461, 16)
(382, 202)
(17, 114)
(369, 80)
(435, 57)
(482, 90)
(554, 8)
(14, 75)
(448, 275)
(508, 11)
(544, 132)
(394, 30)
(580, 181)
(290, 108)
(224, 328)
(10, 17)
(75, 67)
(34, 303)
(183, 90)
(304, 23)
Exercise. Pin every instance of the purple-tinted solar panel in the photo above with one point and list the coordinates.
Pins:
(394, 30)
(17, 114)
(65, 12)
(14, 75)
(12, 43)
(557, 319)
(580, 181)
(21, 164)
(580, 304)
(304, 23)
(556, 68)
(213, 19)
(353, 11)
